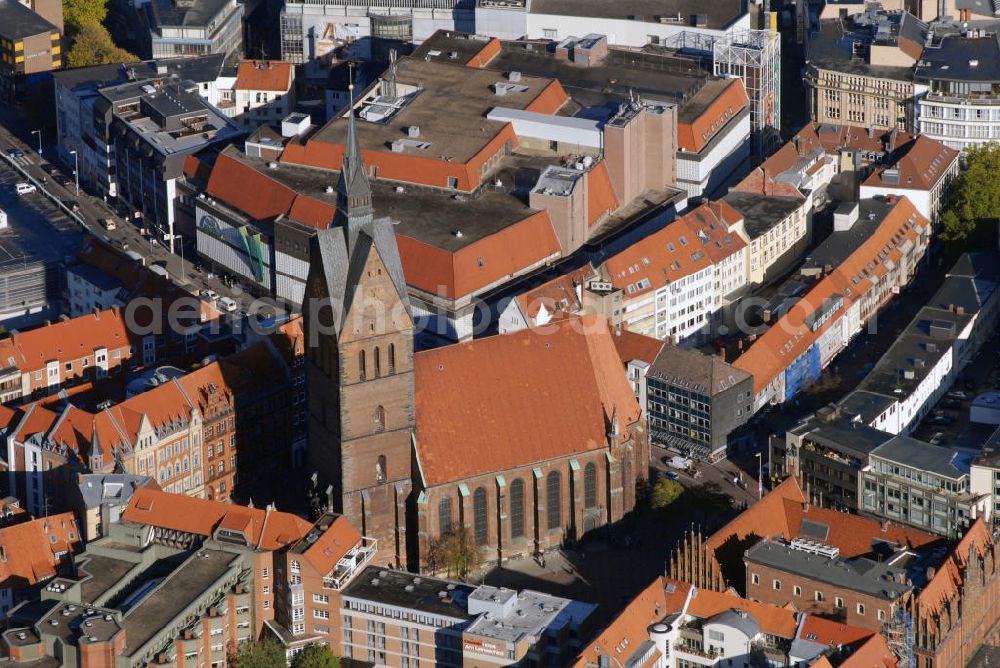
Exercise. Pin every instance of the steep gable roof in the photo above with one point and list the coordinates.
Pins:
(264, 528)
(270, 75)
(459, 410)
(28, 551)
(947, 583)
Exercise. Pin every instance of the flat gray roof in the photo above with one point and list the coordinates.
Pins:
(717, 14)
(407, 590)
(876, 579)
(18, 22)
(104, 572)
(761, 212)
(830, 48)
(908, 451)
(181, 588)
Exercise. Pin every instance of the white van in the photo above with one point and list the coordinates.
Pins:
(226, 304)
(25, 188)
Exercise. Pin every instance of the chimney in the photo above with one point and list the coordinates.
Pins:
(722, 353)
(805, 508)
(931, 572)
(960, 310)
(767, 315)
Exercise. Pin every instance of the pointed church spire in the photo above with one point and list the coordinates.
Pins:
(354, 196)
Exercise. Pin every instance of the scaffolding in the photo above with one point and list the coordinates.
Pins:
(899, 633)
(755, 57)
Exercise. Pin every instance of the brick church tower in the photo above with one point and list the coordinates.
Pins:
(359, 334)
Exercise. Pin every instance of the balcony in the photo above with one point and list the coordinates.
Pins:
(974, 99)
(351, 563)
(711, 654)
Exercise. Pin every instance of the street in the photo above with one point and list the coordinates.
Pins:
(126, 236)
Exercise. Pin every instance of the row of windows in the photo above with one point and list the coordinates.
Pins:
(838, 602)
(553, 500)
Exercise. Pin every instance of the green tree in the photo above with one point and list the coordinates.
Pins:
(265, 653)
(93, 46)
(457, 553)
(79, 13)
(975, 194)
(316, 656)
(665, 492)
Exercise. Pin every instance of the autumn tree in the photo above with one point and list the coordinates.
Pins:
(265, 653)
(79, 13)
(665, 492)
(93, 46)
(316, 656)
(975, 195)
(457, 553)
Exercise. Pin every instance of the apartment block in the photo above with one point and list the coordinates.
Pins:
(396, 619)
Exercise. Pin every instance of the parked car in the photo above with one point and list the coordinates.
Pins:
(72, 205)
(672, 475)
(226, 304)
(51, 170)
(121, 244)
(62, 180)
(210, 295)
(25, 188)
(14, 153)
(937, 439)
(109, 224)
(952, 403)
(957, 394)
(942, 421)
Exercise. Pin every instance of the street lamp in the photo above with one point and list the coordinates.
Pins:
(760, 477)
(39, 133)
(76, 171)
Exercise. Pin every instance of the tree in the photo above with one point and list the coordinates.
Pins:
(93, 46)
(79, 13)
(457, 552)
(265, 653)
(316, 656)
(975, 194)
(665, 492)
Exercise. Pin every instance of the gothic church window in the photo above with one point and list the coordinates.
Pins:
(379, 419)
(517, 508)
(479, 516)
(444, 515)
(380, 473)
(590, 485)
(361, 365)
(553, 492)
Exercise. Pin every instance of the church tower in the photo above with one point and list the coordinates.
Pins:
(359, 333)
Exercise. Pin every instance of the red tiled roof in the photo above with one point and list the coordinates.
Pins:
(68, 340)
(791, 335)
(268, 529)
(630, 627)
(833, 633)
(948, 581)
(550, 100)
(459, 412)
(873, 653)
(562, 293)
(694, 136)
(331, 544)
(781, 513)
(493, 258)
(490, 50)
(28, 551)
(243, 186)
(270, 75)
(601, 200)
(924, 164)
(632, 346)
(680, 249)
